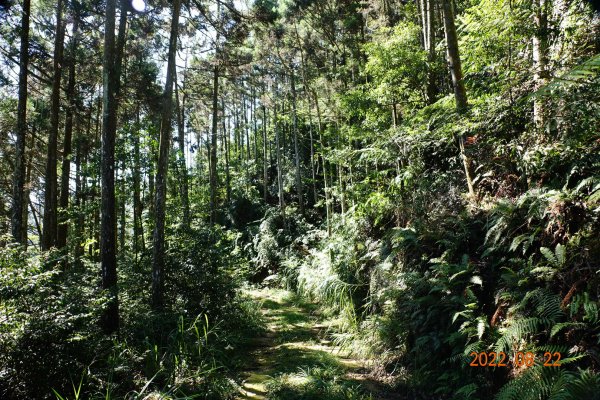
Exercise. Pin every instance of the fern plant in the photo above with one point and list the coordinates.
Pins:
(548, 383)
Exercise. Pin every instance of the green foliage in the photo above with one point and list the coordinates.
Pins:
(552, 384)
(51, 342)
(397, 63)
(313, 384)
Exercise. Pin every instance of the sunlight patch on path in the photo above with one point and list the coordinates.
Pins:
(293, 346)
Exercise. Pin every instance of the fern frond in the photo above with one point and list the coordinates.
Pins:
(519, 329)
(581, 73)
(564, 325)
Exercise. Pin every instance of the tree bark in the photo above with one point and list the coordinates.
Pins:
(80, 185)
(255, 123)
(108, 256)
(430, 18)
(460, 94)
(158, 250)
(19, 203)
(138, 233)
(299, 190)
(279, 165)
(265, 163)
(27, 191)
(122, 205)
(226, 144)
(213, 146)
(49, 229)
(328, 200)
(184, 193)
(540, 60)
(61, 239)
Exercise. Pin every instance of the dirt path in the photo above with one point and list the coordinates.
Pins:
(294, 358)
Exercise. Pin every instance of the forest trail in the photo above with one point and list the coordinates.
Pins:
(294, 344)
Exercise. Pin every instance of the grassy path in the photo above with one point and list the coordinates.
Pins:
(294, 359)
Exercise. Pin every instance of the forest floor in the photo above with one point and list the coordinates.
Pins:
(296, 359)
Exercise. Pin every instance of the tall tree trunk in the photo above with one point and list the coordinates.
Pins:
(540, 60)
(265, 162)
(80, 185)
(254, 120)
(108, 256)
(49, 229)
(27, 191)
(213, 146)
(310, 124)
(120, 47)
(460, 94)
(430, 18)
(312, 154)
(226, 144)
(246, 132)
(61, 239)
(279, 164)
(184, 193)
(158, 251)
(328, 201)
(122, 206)
(19, 202)
(236, 132)
(422, 5)
(299, 190)
(138, 233)
(94, 248)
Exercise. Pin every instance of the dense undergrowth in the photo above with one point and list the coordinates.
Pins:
(423, 275)
(509, 274)
(51, 345)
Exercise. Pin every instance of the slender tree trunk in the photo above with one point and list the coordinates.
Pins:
(240, 130)
(79, 186)
(244, 112)
(213, 146)
(120, 47)
(310, 124)
(430, 18)
(226, 144)
(283, 130)
(61, 240)
(328, 201)
(454, 62)
(108, 256)
(94, 249)
(35, 218)
(312, 154)
(246, 132)
(151, 189)
(122, 206)
(184, 193)
(540, 60)
(279, 165)
(299, 189)
(26, 192)
(158, 251)
(422, 5)
(236, 132)
(265, 162)
(460, 93)
(137, 201)
(19, 202)
(51, 190)
(254, 120)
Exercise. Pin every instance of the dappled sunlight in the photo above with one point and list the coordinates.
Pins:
(297, 344)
